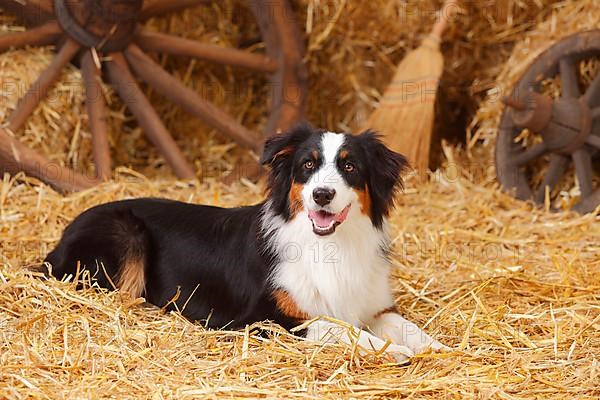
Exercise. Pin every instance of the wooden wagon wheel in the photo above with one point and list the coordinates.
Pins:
(82, 30)
(569, 126)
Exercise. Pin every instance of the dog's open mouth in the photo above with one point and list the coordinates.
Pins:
(324, 223)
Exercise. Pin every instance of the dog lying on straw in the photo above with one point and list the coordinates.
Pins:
(315, 248)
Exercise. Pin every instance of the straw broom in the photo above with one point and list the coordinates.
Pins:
(406, 112)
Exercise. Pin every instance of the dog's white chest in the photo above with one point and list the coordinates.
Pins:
(344, 276)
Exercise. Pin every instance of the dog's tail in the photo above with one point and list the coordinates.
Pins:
(132, 269)
(111, 244)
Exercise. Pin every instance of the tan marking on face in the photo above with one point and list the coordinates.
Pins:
(295, 197)
(132, 277)
(344, 154)
(364, 198)
(315, 154)
(287, 306)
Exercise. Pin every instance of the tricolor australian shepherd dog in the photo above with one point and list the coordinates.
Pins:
(316, 247)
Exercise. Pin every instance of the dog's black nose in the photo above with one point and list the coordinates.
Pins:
(323, 196)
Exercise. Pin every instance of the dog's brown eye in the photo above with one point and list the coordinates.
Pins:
(309, 164)
(349, 167)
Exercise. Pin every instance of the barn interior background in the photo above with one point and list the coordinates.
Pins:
(512, 286)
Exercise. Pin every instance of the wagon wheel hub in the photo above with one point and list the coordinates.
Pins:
(564, 124)
(105, 25)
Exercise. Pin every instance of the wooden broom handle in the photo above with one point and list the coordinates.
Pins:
(448, 11)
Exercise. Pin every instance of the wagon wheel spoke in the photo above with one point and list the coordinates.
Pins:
(131, 94)
(530, 154)
(40, 5)
(588, 204)
(584, 171)
(96, 110)
(39, 89)
(568, 78)
(189, 100)
(159, 42)
(593, 141)
(592, 94)
(32, 12)
(154, 8)
(41, 36)
(593, 138)
(16, 157)
(556, 169)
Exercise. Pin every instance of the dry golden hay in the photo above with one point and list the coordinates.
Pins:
(514, 289)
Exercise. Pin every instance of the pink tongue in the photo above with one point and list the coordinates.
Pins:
(323, 219)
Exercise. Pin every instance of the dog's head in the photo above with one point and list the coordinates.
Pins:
(322, 176)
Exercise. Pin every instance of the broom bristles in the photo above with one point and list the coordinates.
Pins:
(405, 114)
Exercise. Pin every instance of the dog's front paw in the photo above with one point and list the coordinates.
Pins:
(401, 354)
(428, 344)
(432, 345)
(437, 346)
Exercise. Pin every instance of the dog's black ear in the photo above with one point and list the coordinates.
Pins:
(283, 145)
(279, 155)
(385, 174)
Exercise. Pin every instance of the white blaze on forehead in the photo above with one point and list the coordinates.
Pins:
(330, 144)
(328, 176)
